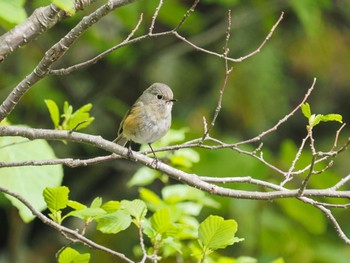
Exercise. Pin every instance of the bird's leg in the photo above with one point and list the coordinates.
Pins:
(130, 155)
(155, 160)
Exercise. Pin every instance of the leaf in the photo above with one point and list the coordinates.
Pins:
(114, 222)
(143, 176)
(96, 203)
(80, 118)
(70, 255)
(161, 222)
(178, 193)
(28, 181)
(136, 208)
(153, 201)
(305, 108)
(66, 5)
(332, 117)
(215, 233)
(12, 12)
(56, 198)
(185, 158)
(75, 205)
(54, 112)
(86, 213)
(111, 206)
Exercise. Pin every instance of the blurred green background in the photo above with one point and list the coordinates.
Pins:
(313, 40)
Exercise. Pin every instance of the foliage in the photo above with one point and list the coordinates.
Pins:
(172, 229)
(311, 41)
(30, 186)
(76, 120)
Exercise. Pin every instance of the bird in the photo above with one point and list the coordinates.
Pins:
(148, 119)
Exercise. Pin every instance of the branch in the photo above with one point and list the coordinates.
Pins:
(69, 162)
(70, 234)
(227, 74)
(54, 54)
(40, 21)
(151, 34)
(190, 179)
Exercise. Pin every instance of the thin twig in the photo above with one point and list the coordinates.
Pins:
(187, 14)
(154, 17)
(307, 179)
(227, 73)
(297, 156)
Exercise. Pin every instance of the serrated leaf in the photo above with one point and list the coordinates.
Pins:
(161, 221)
(56, 198)
(114, 222)
(136, 208)
(28, 181)
(215, 233)
(70, 255)
(111, 206)
(54, 112)
(87, 213)
(306, 110)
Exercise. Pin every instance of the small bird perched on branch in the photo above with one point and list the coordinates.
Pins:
(149, 118)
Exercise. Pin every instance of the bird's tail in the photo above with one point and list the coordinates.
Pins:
(121, 140)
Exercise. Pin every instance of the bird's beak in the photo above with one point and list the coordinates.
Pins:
(172, 100)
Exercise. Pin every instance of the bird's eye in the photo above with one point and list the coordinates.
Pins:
(159, 96)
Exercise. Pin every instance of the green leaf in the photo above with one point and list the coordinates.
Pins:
(111, 206)
(70, 255)
(96, 203)
(12, 12)
(114, 222)
(316, 119)
(143, 176)
(185, 158)
(54, 112)
(153, 201)
(80, 118)
(215, 233)
(136, 208)
(28, 181)
(179, 192)
(87, 213)
(75, 205)
(161, 222)
(305, 108)
(66, 5)
(332, 117)
(56, 198)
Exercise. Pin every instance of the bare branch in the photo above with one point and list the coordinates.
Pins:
(154, 18)
(69, 162)
(190, 179)
(227, 73)
(40, 21)
(188, 13)
(54, 54)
